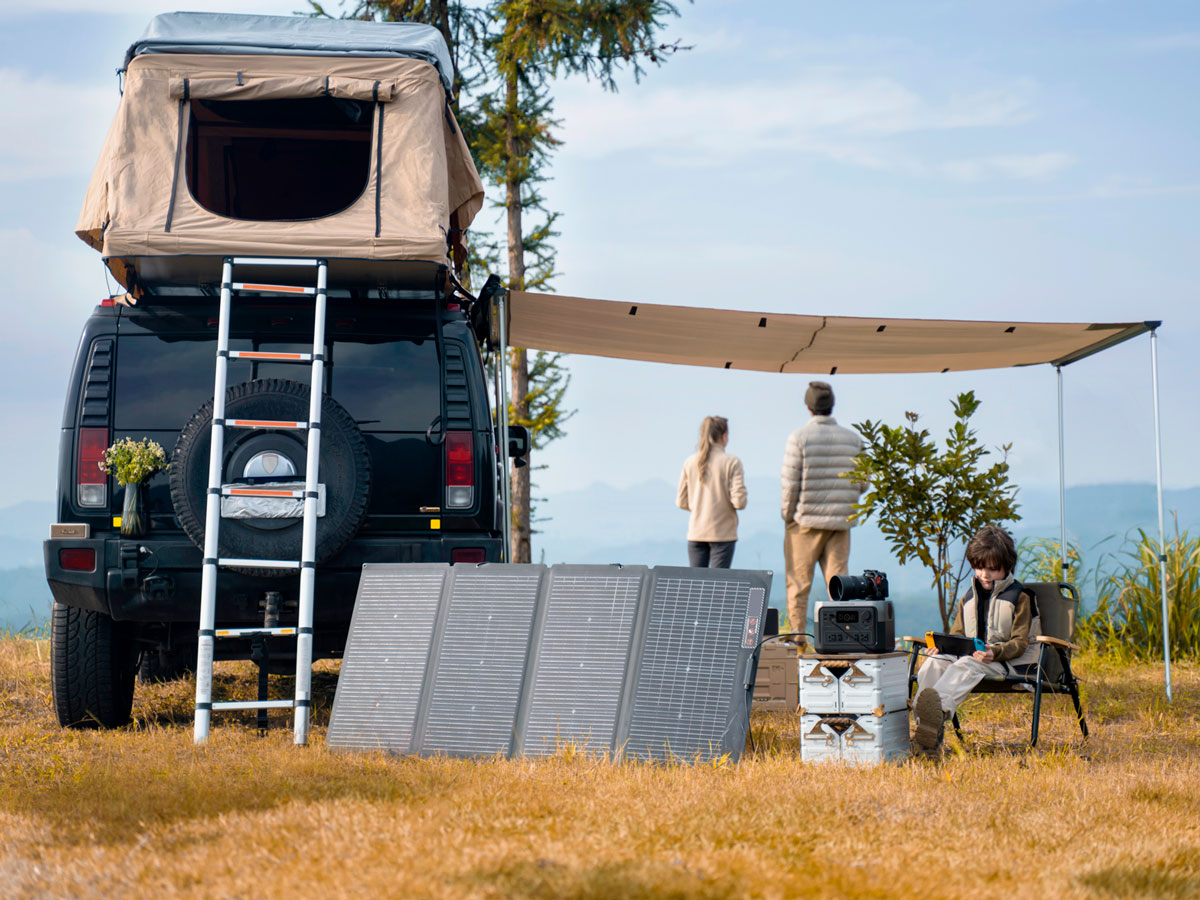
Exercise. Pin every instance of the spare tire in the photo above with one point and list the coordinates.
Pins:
(345, 470)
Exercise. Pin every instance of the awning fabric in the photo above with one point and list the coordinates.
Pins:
(779, 342)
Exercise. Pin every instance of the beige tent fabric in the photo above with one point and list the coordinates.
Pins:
(779, 342)
(427, 170)
(258, 87)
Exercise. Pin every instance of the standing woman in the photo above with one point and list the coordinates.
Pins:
(712, 488)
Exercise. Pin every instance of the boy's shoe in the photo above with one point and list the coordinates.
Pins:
(931, 721)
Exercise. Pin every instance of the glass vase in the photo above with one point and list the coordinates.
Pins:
(135, 515)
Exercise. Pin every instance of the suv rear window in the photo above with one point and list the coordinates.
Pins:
(278, 160)
(385, 385)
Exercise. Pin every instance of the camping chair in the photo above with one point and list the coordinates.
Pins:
(1051, 674)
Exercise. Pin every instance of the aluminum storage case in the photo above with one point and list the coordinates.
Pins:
(853, 685)
(863, 740)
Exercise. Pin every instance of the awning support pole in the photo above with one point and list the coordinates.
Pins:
(1162, 543)
(1062, 484)
(502, 415)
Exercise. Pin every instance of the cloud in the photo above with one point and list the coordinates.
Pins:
(851, 120)
(51, 128)
(1030, 167)
(58, 284)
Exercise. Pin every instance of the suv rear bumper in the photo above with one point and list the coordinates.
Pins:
(158, 580)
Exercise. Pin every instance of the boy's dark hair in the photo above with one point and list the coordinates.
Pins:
(992, 547)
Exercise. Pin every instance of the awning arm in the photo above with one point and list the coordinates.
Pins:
(1162, 545)
(1103, 344)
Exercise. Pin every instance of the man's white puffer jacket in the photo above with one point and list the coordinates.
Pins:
(814, 494)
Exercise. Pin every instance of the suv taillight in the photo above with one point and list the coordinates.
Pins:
(91, 485)
(460, 469)
(77, 559)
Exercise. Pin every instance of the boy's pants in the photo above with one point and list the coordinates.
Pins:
(803, 548)
(954, 677)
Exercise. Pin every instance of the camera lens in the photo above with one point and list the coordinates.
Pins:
(850, 587)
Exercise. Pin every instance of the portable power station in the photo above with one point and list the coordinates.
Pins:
(854, 626)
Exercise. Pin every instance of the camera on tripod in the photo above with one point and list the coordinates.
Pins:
(858, 618)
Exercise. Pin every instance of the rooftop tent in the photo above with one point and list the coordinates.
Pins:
(281, 136)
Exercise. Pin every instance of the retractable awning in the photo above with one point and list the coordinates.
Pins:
(788, 343)
(820, 345)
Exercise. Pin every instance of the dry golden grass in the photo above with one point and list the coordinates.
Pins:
(141, 812)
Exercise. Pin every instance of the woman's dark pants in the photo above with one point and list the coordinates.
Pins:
(710, 554)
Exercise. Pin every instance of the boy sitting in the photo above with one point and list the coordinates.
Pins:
(997, 610)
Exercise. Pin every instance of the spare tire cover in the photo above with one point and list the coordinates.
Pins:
(344, 469)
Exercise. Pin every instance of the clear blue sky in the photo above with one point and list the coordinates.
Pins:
(1032, 160)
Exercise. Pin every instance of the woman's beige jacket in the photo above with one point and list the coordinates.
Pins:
(713, 500)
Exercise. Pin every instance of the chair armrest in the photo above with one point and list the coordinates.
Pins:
(913, 640)
(1057, 642)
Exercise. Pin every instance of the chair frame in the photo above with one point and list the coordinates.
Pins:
(1035, 681)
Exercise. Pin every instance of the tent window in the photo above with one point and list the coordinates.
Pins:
(278, 160)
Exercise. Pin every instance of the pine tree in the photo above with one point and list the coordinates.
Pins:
(506, 54)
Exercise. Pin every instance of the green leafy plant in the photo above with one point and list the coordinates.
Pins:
(1127, 621)
(132, 462)
(928, 501)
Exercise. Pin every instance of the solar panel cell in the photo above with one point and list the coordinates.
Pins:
(581, 658)
(387, 653)
(480, 664)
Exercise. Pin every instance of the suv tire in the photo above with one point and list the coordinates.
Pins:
(345, 469)
(92, 660)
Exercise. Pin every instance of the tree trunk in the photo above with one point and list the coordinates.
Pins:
(521, 550)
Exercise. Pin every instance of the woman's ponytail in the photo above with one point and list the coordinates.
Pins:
(712, 429)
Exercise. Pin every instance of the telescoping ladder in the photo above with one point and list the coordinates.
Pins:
(216, 489)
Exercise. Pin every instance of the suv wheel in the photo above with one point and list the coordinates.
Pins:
(345, 470)
(92, 661)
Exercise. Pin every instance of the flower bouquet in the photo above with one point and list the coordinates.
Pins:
(132, 463)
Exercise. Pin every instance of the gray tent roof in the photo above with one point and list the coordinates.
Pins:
(195, 32)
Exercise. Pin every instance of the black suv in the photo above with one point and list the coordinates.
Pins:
(419, 481)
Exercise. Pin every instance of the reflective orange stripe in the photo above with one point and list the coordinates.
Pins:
(263, 423)
(281, 288)
(258, 354)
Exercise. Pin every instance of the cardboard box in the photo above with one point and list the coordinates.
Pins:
(777, 685)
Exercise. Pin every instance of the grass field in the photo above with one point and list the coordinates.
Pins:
(140, 812)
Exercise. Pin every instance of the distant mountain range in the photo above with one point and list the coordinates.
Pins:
(600, 523)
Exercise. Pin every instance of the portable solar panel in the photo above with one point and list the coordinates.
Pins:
(581, 658)
(387, 653)
(480, 660)
(519, 660)
(695, 663)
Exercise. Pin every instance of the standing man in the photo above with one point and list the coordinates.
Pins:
(817, 501)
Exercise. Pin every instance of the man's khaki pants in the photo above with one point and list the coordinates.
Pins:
(802, 549)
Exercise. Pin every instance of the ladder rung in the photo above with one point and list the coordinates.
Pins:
(273, 288)
(261, 492)
(265, 423)
(254, 704)
(272, 261)
(273, 357)
(252, 632)
(260, 563)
